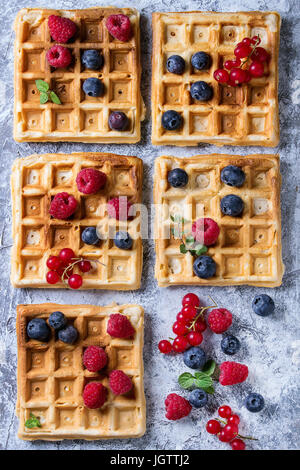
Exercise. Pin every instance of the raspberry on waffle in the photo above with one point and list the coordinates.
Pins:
(80, 117)
(246, 115)
(248, 248)
(37, 236)
(52, 377)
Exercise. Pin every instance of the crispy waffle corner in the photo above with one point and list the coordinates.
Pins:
(248, 250)
(51, 376)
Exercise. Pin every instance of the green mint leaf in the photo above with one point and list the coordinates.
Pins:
(209, 367)
(204, 383)
(44, 97)
(172, 218)
(54, 98)
(183, 249)
(193, 252)
(186, 380)
(209, 390)
(42, 86)
(190, 240)
(33, 422)
(200, 249)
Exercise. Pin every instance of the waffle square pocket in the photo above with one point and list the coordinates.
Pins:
(51, 376)
(248, 247)
(79, 117)
(243, 115)
(36, 180)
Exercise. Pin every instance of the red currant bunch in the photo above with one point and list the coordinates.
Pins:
(61, 268)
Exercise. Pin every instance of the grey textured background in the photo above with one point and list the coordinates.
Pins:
(270, 346)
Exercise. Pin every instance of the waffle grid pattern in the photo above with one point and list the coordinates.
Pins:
(35, 181)
(79, 117)
(248, 250)
(246, 115)
(51, 376)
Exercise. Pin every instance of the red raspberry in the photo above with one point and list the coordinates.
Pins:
(219, 320)
(177, 407)
(118, 326)
(63, 206)
(119, 208)
(61, 29)
(94, 395)
(89, 180)
(119, 382)
(205, 231)
(59, 56)
(94, 358)
(232, 373)
(119, 27)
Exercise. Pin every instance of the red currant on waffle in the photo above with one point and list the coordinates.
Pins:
(54, 263)
(84, 266)
(242, 50)
(221, 75)
(255, 40)
(230, 64)
(75, 281)
(260, 55)
(52, 277)
(66, 255)
(257, 69)
(237, 76)
(165, 346)
(246, 41)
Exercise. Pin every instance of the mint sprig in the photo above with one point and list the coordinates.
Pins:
(201, 380)
(33, 422)
(188, 242)
(45, 93)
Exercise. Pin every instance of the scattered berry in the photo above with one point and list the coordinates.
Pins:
(180, 344)
(53, 263)
(59, 56)
(223, 437)
(92, 59)
(165, 346)
(68, 334)
(94, 358)
(66, 255)
(201, 61)
(254, 402)
(178, 178)
(181, 318)
(118, 326)
(57, 320)
(94, 395)
(93, 87)
(263, 305)
(230, 345)
(191, 300)
(224, 411)
(205, 231)
(195, 358)
(119, 382)
(233, 419)
(119, 208)
(75, 281)
(200, 325)
(232, 205)
(63, 206)
(175, 64)
(119, 27)
(232, 373)
(195, 338)
(180, 329)
(118, 121)
(171, 120)
(90, 180)
(38, 329)
(198, 398)
(213, 426)
(233, 176)
(238, 444)
(84, 266)
(231, 430)
(201, 91)
(189, 312)
(123, 240)
(219, 320)
(89, 236)
(61, 29)
(177, 407)
(204, 267)
(52, 277)
(221, 75)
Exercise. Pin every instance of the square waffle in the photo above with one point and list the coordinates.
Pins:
(244, 115)
(35, 181)
(80, 117)
(248, 250)
(51, 376)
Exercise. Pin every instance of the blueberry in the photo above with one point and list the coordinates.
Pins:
(171, 120)
(230, 345)
(123, 240)
(68, 335)
(92, 59)
(93, 87)
(178, 178)
(254, 402)
(201, 61)
(233, 176)
(232, 205)
(118, 121)
(57, 320)
(175, 64)
(201, 91)
(89, 236)
(198, 398)
(38, 329)
(195, 357)
(204, 267)
(263, 305)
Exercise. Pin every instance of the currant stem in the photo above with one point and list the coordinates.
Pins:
(250, 438)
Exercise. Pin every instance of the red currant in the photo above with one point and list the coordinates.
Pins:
(260, 54)
(231, 83)
(223, 437)
(213, 426)
(242, 50)
(238, 444)
(195, 338)
(221, 75)
(84, 266)
(231, 430)
(179, 329)
(230, 64)
(192, 300)
(246, 41)
(75, 281)
(181, 318)
(255, 40)
(53, 262)
(52, 277)
(165, 346)
(233, 419)
(66, 255)
(257, 69)
(189, 312)
(200, 325)
(237, 76)
(180, 344)
(247, 76)
(224, 411)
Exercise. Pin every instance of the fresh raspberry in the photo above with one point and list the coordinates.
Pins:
(219, 320)
(63, 206)
(59, 56)
(118, 326)
(94, 395)
(119, 27)
(205, 231)
(119, 382)
(61, 29)
(94, 358)
(177, 407)
(232, 373)
(89, 180)
(119, 208)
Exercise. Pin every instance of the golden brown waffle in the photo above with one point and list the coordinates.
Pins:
(246, 115)
(35, 180)
(79, 117)
(248, 250)
(51, 376)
